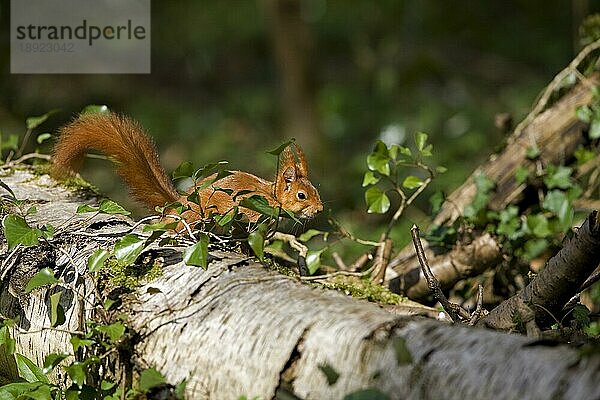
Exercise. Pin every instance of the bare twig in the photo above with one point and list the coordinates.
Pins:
(338, 261)
(360, 262)
(456, 312)
(479, 312)
(381, 261)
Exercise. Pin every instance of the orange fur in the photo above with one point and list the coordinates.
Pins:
(138, 164)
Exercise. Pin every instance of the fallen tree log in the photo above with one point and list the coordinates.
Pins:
(556, 133)
(241, 329)
(561, 278)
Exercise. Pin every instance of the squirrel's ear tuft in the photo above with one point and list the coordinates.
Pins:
(297, 161)
(301, 165)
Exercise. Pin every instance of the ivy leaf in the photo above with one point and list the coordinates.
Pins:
(96, 260)
(28, 370)
(17, 231)
(6, 341)
(369, 179)
(538, 225)
(76, 372)
(581, 316)
(86, 208)
(180, 389)
(19, 390)
(184, 170)
(558, 176)
(377, 201)
(150, 378)
(584, 155)
(393, 151)
(509, 223)
(532, 152)
(436, 201)
(34, 122)
(225, 219)
(557, 202)
(403, 355)
(280, 148)
(42, 137)
(78, 343)
(95, 109)
(159, 226)
(405, 151)
(107, 385)
(584, 114)
(412, 182)
(111, 207)
(534, 248)
(259, 204)
(43, 277)
(484, 185)
(42, 392)
(427, 151)
(313, 260)
(128, 249)
(208, 170)
(521, 174)
(197, 254)
(52, 360)
(420, 140)
(256, 240)
(379, 159)
(367, 394)
(113, 331)
(330, 373)
(594, 132)
(57, 313)
(309, 234)
(574, 192)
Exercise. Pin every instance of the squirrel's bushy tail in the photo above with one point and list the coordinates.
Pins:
(125, 141)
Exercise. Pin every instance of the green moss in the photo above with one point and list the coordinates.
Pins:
(364, 289)
(131, 276)
(274, 266)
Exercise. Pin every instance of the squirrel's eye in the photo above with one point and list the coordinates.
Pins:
(301, 196)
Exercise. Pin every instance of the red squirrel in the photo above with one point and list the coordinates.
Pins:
(137, 162)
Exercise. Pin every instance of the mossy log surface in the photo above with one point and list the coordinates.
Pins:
(239, 328)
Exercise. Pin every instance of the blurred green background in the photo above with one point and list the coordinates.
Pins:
(232, 79)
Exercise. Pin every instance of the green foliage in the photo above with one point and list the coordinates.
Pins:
(95, 108)
(34, 122)
(43, 277)
(18, 232)
(476, 210)
(99, 340)
(197, 254)
(367, 394)
(388, 172)
(150, 378)
(105, 207)
(128, 249)
(96, 261)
